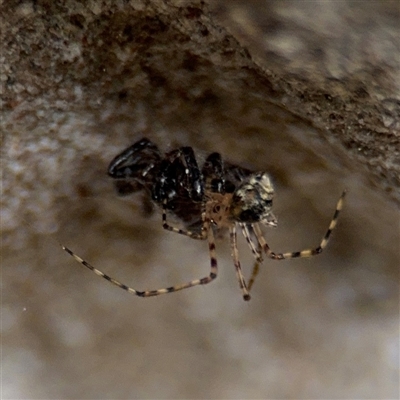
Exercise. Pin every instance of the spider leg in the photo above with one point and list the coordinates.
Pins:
(149, 293)
(124, 187)
(247, 234)
(134, 168)
(256, 253)
(254, 273)
(303, 253)
(136, 161)
(193, 235)
(235, 255)
(194, 176)
(213, 172)
(186, 176)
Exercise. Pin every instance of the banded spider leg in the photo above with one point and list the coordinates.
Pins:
(216, 184)
(254, 229)
(248, 231)
(220, 195)
(303, 253)
(207, 232)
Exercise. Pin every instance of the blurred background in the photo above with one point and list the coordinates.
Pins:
(289, 88)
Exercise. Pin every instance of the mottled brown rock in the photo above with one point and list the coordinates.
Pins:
(305, 90)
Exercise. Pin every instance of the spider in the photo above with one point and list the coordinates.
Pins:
(220, 196)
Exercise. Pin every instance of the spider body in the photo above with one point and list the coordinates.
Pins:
(217, 197)
(176, 183)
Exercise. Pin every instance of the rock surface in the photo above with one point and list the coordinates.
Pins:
(308, 91)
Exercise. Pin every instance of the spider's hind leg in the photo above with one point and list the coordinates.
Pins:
(213, 172)
(149, 293)
(134, 168)
(179, 173)
(194, 235)
(124, 187)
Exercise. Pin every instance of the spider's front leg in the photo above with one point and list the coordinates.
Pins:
(302, 253)
(248, 232)
(235, 255)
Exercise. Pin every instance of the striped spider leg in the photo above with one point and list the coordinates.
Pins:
(207, 233)
(303, 253)
(219, 189)
(254, 229)
(220, 196)
(256, 250)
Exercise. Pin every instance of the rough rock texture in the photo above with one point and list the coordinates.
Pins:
(306, 90)
(338, 65)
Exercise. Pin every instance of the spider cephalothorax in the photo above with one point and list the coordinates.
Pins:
(207, 200)
(252, 201)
